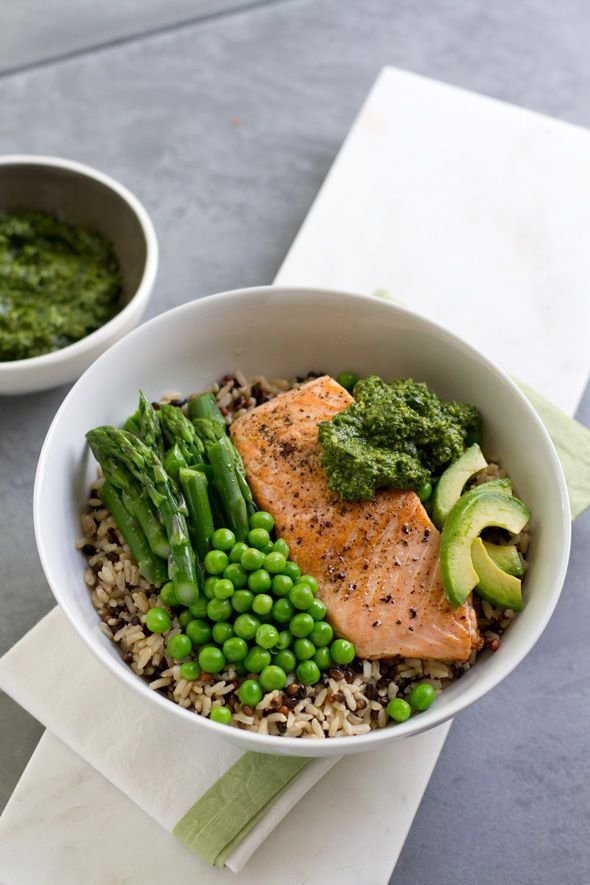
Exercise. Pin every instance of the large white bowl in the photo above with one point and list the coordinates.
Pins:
(80, 195)
(282, 333)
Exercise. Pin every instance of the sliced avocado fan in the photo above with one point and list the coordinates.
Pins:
(487, 505)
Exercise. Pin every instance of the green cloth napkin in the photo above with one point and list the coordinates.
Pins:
(226, 813)
(572, 441)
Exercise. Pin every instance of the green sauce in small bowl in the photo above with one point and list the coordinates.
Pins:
(58, 283)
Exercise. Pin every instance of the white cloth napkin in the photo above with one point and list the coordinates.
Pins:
(165, 770)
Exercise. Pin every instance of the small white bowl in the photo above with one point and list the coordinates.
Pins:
(283, 333)
(80, 195)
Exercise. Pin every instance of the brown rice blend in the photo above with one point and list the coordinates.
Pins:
(347, 701)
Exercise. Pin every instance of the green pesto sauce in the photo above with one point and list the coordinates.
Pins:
(398, 435)
(57, 284)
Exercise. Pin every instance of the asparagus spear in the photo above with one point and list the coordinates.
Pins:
(179, 430)
(132, 424)
(138, 503)
(144, 424)
(147, 469)
(242, 481)
(173, 461)
(147, 516)
(226, 482)
(205, 406)
(150, 566)
(208, 431)
(210, 426)
(195, 486)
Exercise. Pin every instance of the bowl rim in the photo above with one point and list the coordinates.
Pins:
(336, 745)
(139, 298)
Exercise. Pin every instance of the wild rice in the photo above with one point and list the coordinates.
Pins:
(345, 702)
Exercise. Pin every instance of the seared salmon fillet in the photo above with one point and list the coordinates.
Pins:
(376, 562)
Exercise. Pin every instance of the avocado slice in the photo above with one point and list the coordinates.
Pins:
(473, 512)
(492, 485)
(450, 485)
(494, 584)
(506, 557)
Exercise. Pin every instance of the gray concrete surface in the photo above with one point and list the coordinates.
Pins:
(225, 126)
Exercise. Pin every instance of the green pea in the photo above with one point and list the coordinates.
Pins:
(323, 658)
(216, 561)
(259, 581)
(286, 660)
(222, 631)
(342, 651)
(292, 570)
(422, 696)
(219, 609)
(190, 670)
(301, 625)
(424, 493)
(284, 641)
(198, 609)
(250, 692)
(236, 574)
(301, 596)
(158, 620)
(304, 649)
(267, 548)
(235, 649)
(258, 538)
(347, 380)
(262, 520)
(223, 589)
(308, 672)
(273, 678)
(211, 659)
(310, 581)
(257, 659)
(317, 610)
(322, 634)
(241, 668)
(281, 546)
(198, 631)
(245, 626)
(399, 710)
(236, 551)
(221, 714)
(223, 539)
(262, 604)
(267, 635)
(168, 595)
(252, 559)
(208, 587)
(282, 611)
(179, 647)
(185, 618)
(281, 585)
(275, 563)
(242, 601)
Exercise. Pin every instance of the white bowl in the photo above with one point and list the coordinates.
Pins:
(80, 195)
(282, 333)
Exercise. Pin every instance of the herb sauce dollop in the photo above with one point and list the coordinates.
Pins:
(398, 435)
(58, 283)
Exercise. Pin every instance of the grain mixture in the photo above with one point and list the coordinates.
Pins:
(347, 700)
